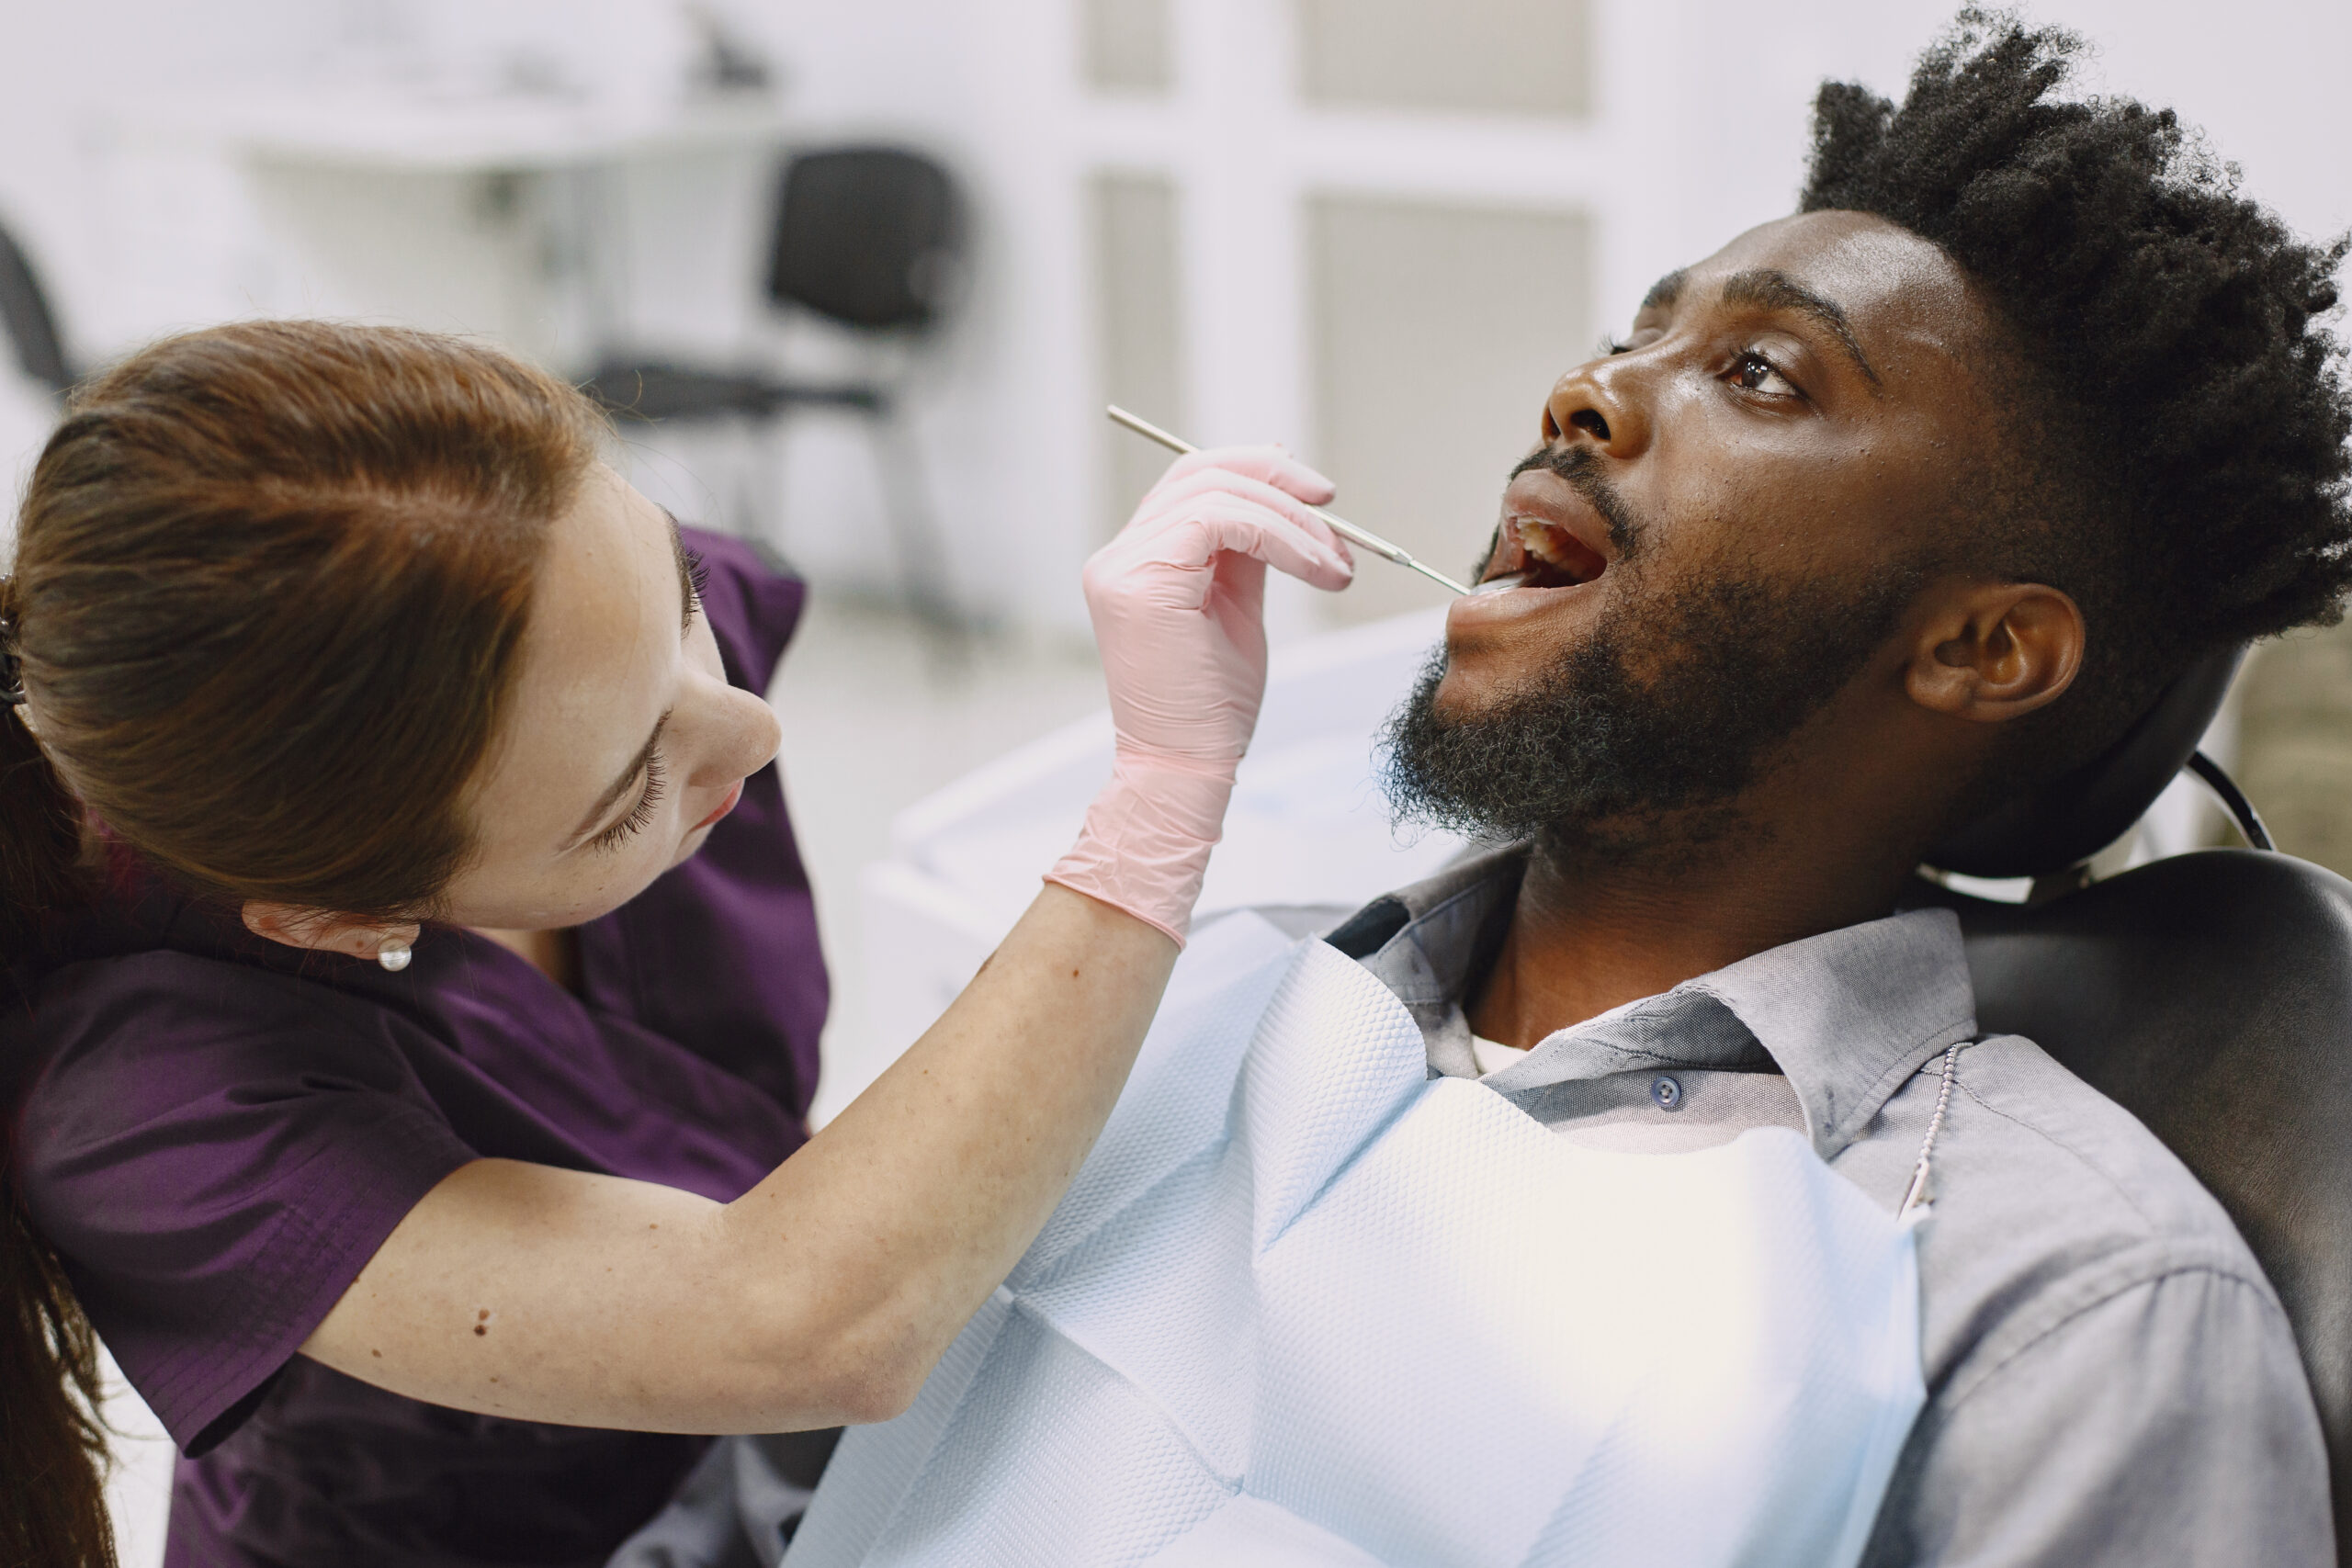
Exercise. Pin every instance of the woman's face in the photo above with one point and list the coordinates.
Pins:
(623, 744)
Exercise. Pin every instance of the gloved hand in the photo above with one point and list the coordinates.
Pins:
(1177, 600)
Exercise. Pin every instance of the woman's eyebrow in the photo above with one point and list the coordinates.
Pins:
(619, 786)
(1769, 288)
(686, 598)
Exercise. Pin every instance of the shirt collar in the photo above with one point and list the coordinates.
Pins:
(1846, 1015)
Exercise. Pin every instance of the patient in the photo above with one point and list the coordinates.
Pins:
(1884, 512)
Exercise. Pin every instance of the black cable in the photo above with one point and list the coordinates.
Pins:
(2233, 800)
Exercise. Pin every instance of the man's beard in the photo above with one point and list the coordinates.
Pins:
(1641, 738)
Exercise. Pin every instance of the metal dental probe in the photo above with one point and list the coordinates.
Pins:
(1339, 525)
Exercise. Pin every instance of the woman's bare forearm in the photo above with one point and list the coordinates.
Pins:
(921, 1196)
(823, 1295)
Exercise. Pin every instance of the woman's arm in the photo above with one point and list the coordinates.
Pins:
(826, 1293)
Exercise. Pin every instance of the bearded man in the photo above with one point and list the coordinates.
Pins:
(1884, 514)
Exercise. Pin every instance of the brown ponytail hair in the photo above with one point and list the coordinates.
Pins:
(270, 582)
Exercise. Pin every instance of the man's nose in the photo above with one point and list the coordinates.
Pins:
(1597, 403)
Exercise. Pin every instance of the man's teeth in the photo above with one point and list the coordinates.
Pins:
(1542, 542)
(1555, 556)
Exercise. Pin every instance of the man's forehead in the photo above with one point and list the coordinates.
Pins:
(1886, 280)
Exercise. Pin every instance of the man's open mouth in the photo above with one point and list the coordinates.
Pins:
(1533, 553)
(1552, 536)
(1555, 558)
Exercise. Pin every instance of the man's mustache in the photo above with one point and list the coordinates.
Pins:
(1581, 467)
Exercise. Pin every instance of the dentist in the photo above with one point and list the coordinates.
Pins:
(413, 989)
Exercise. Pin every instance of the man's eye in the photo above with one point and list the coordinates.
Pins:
(1752, 372)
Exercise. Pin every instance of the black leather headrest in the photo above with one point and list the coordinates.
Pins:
(2069, 821)
(2210, 996)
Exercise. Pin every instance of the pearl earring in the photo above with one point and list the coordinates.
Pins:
(392, 953)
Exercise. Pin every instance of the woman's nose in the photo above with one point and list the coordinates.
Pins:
(743, 736)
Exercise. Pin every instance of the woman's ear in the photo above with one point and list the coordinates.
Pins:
(1990, 652)
(316, 931)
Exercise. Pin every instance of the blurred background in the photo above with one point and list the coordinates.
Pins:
(1373, 229)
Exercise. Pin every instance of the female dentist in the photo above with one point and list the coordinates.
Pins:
(413, 995)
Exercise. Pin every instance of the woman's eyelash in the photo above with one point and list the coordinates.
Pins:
(1610, 344)
(640, 815)
(698, 573)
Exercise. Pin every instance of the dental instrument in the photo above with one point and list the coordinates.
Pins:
(1339, 525)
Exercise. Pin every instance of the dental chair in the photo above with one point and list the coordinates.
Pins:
(2209, 993)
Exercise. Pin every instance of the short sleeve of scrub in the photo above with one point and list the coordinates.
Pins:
(219, 1156)
(216, 1133)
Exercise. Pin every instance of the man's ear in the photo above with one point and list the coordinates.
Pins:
(317, 930)
(1990, 652)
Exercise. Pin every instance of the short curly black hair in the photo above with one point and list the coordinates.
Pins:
(2180, 459)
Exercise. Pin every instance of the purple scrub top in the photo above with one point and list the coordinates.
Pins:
(216, 1133)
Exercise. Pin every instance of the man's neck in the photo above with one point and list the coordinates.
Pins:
(1589, 935)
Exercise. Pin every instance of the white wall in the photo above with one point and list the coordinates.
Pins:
(1723, 89)
(1699, 130)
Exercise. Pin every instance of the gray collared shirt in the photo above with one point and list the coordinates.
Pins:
(2110, 1379)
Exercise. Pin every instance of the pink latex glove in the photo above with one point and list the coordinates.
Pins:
(1177, 600)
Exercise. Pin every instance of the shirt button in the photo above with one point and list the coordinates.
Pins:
(1667, 1092)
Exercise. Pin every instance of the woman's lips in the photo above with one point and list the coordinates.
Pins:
(734, 797)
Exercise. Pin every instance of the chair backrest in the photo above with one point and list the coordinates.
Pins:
(2210, 996)
(2067, 820)
(24, 311)
(871, 237)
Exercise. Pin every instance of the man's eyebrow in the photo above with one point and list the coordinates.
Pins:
(1771, 290)
(1665, 290)
(688, 598)
(619, 786)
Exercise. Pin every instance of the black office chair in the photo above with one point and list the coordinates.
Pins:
(30, 326)
(2208, 994)
(871, 239)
